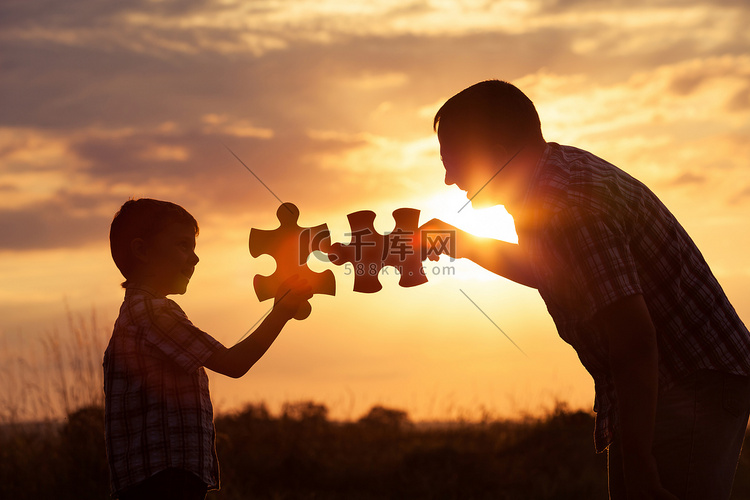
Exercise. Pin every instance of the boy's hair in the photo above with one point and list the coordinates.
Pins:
(143, 218)
(492, 111)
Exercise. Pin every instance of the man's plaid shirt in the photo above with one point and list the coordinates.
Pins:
(158, 411)
(597, 235)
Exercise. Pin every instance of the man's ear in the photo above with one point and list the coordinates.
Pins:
(139, 249)
(500, 151)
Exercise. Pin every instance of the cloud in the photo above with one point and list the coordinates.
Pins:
(152, 62)
(193, 161)
(688, 178)
(68, 220)
(164, 29)
(331, 102)
(740, 101)
(49, 207)
(649, 99)
(740, 197)
(633, 4)
(688, 77)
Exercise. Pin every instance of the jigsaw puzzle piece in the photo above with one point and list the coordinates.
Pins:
(291, 245)
(403, 248)
(369, 251)
(364, 252)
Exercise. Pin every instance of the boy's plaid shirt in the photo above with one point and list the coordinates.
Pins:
(597, 235)
(158, 411)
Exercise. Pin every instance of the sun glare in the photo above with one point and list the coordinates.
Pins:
(451, 207)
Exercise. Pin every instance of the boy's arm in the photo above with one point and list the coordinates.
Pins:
(237, 360)
(500, 257)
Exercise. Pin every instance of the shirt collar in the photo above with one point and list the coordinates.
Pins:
(527, 208)
(132, 290)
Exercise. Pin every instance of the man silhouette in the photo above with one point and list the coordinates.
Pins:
(625, 285)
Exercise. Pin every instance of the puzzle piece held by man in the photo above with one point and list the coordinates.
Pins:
(291, 245)
(369, 251)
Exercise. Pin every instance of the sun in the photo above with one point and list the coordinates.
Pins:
(451, 207)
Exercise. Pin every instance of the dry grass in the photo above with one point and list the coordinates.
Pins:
(49, 377)
(300, 453)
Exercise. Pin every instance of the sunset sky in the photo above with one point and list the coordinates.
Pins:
(331, 103)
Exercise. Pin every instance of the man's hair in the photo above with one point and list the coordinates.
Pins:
(490, 112)
(143, 218)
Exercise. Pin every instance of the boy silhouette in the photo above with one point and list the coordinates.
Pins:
(158, 415)
(625, 285)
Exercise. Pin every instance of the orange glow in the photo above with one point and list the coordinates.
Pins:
(330, 104)
(451, 207)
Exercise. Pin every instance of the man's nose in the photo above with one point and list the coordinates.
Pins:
(449, 180)
(195, 258)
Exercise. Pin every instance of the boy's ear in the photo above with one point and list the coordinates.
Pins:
(139, 249)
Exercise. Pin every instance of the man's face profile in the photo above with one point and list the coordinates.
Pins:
(473, 167)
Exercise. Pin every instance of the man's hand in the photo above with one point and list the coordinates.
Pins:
(500, 257)
(292, 293)
(437, 238)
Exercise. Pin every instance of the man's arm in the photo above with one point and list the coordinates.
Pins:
(634, 361)
(237, 360)
(500, 257)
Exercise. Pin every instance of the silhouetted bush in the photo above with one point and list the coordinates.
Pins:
(84, 455)
(379, 416)
(44, 460)
(302, 454)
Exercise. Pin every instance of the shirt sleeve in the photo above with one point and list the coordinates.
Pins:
(172, 333)
(597, 259)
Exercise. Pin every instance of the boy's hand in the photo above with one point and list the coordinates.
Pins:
(292, 294)
(437, 238)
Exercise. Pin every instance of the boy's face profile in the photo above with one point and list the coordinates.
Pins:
(167, 261)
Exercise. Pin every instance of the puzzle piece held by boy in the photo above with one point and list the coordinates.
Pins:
(291, 245)
(368, 252)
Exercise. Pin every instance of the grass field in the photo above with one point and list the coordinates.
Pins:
(301, 454)
(298, 453)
